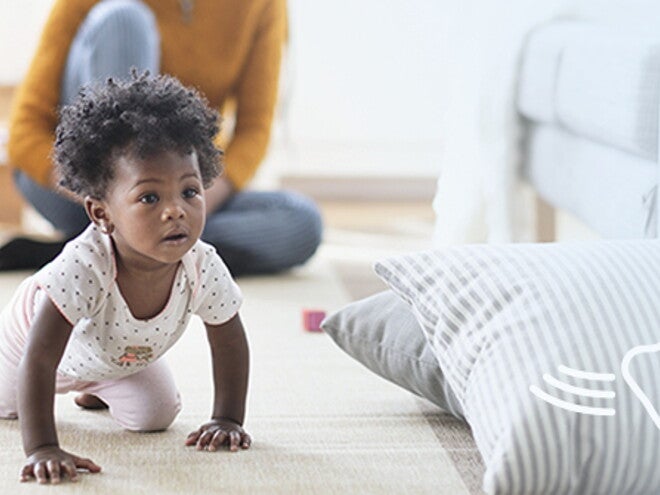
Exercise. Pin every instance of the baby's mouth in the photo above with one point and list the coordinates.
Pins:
(175, 237)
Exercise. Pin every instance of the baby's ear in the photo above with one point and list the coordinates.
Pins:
(96, 211)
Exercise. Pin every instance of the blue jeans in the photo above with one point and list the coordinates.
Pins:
(254, 232)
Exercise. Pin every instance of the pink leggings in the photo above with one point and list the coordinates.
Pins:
(144, 401)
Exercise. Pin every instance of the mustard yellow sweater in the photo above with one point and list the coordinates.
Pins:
(229, 49)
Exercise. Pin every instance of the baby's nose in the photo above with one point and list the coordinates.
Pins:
(173, 212)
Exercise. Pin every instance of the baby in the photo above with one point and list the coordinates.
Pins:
(138, 154)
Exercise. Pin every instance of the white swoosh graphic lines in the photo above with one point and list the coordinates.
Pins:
(577, 391)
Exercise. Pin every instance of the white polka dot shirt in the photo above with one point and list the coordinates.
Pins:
(107, 342)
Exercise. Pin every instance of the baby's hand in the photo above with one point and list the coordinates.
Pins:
(51, 464)
(219, 432)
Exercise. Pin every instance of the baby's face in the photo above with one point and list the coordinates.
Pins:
(156, 206)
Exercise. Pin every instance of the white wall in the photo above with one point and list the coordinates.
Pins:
(366, 83)
(20, 25)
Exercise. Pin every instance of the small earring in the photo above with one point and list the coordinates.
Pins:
(105, 228)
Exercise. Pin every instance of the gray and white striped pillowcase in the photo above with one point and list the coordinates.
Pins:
(499, 318)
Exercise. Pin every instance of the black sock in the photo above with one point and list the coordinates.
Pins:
(27, 254)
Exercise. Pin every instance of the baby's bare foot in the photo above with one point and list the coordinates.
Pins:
(89, 401)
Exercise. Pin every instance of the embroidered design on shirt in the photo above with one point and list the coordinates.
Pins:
(139, 355)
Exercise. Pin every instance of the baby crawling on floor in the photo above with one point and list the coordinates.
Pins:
(138, 154)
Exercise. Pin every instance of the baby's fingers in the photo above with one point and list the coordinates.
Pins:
(84, 463)
(38, 471)
(192, 437)
(26, 473)
(234, 440)
(41, 472)
(246, 441)
(218, 439)
(53, 468)
(204, 440)
(70, 469)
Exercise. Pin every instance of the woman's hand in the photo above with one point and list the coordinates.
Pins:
(219, 432)
(52, 464)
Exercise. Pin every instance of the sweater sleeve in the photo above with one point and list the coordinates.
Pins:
(256, 96)
(34, 113)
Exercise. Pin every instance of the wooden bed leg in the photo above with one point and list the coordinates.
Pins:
(545, 221)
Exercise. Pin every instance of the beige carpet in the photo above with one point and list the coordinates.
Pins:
(321, 422)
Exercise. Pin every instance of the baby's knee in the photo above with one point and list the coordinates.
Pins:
(152, 416)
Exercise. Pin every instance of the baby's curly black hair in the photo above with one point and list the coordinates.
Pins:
(142, 116)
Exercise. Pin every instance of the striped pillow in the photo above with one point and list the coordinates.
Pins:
(552, 351)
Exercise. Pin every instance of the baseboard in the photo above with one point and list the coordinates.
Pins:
(362, 188)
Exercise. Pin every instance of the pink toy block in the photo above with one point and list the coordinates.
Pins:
(312, 319)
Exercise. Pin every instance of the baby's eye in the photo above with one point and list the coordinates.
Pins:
(190, 192)
(148, 199)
